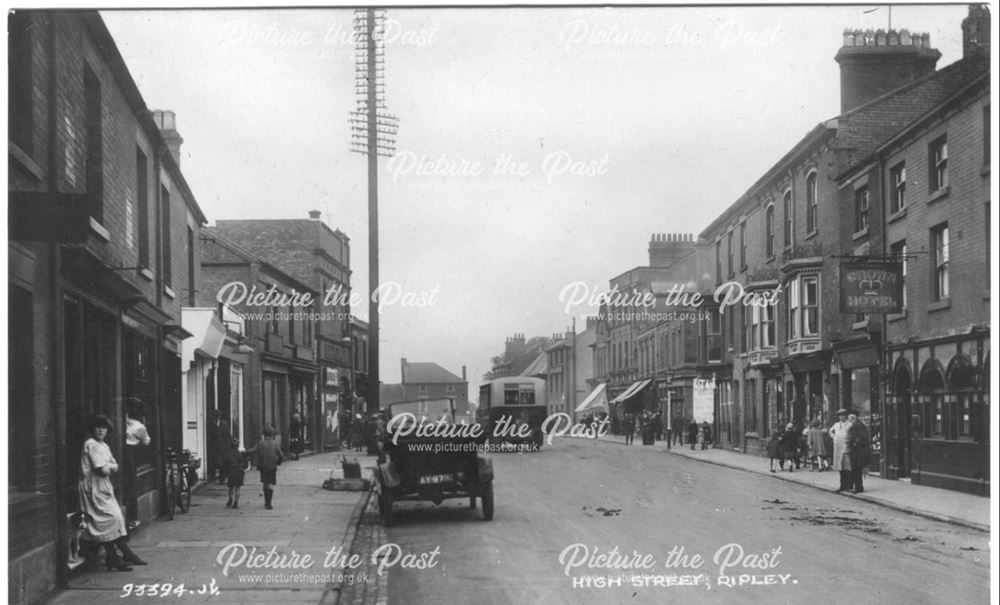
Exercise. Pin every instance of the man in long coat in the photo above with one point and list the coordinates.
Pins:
(859, 447)
(841, 458)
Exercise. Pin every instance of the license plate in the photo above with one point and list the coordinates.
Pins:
(435, 479)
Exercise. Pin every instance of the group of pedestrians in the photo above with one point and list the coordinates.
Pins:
(648, 424)
(845, 447)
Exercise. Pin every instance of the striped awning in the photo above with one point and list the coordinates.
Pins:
(631, 391)
(598, 398)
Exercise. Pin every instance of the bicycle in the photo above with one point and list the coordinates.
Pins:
(181, 473)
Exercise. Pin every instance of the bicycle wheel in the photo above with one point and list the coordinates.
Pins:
(184, 493)
(171, 489)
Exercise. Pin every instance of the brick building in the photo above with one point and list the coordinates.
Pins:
(319, 257)
(928, 191)
(428, 380)
(281, 374)
(103, 255)
(622, 351)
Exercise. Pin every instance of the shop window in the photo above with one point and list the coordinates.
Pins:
(20, 390)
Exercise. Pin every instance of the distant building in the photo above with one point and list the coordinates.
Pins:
(428, 380)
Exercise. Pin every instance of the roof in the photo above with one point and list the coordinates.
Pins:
(863, 129)
(427, 373)
(538, 367)
(249, 258)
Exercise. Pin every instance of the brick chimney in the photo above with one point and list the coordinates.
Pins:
(976, 32)
(666, 249)
(513, 347)
(166, 121)
(402, 370)
(315, 214)
(874, 63)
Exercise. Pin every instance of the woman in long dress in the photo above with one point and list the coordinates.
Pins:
(103, 519)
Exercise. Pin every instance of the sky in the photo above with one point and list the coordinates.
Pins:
(537, 147)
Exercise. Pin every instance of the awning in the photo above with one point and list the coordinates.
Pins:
(635, 388)
(598, 398)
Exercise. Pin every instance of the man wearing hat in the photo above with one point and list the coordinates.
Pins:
(841, 458)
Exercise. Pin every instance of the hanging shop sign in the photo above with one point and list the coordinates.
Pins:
(871, 287)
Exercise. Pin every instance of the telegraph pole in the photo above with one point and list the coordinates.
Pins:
(373, 134)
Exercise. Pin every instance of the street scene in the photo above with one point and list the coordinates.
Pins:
(535, 304)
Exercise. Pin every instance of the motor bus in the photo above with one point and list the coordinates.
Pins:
(518, 399)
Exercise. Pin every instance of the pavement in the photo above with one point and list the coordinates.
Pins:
(949, 506)
(265, 549)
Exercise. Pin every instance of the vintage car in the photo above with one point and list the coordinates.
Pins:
(432, 460)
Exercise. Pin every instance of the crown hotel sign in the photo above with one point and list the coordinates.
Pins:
(871, 287)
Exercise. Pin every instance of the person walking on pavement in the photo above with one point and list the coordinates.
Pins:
(788, 443)
(859, 450)
(102, 516)
(693, 433)
(706, 430)
(236, 464)
(841, 458)
(219, 436)
(269, 456)
(295, 435)
(629, 429)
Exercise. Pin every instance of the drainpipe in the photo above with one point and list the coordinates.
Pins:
(58, 322)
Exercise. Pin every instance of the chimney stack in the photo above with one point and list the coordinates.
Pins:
(315, 214)
(976, 32)
(874, 63)
(666, 249)
(166, 121)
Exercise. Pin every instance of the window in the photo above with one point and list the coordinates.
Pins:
(165, 229)
(291, 325)
(861, 203)
(986, 136)
(19, 80)
(793, 309)
(938, 168)
(803, 307)
(747, 328)
(767, 327)
(743, 246)
(788, 219)
(713, 336)
(897, 181)
(769, 229)
(718, 261)
(142, 205)
(939, 260)
(95, 151)
(898, 252)
(729, 253)
(811, 202)
(810, 306)
(754, 313)
(191, 266)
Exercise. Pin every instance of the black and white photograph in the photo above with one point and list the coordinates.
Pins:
(500, 304)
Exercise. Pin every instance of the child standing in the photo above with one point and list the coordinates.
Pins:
(236, 463)
(269, 456)
(773, 451)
